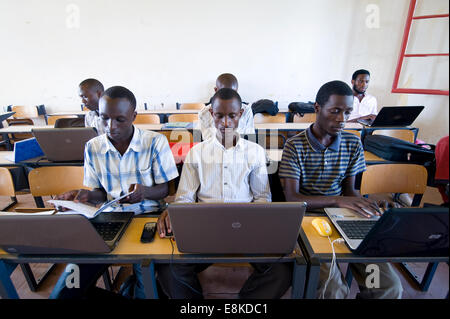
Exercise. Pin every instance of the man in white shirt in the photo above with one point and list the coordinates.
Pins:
(364, 105)
(90, 91)
(224, 168)
(206, 123)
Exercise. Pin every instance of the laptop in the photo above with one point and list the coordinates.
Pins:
(236, 228)
(398, 232)
(394, 116)
(25, 150)
(62, 234)
(64, 144)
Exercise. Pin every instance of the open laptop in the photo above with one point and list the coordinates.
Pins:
(398, 232)
(64, 144)
(236, 228)
(62, 234)
(394, 116)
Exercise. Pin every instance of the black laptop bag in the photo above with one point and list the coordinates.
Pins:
(397, 150)
(265, 106)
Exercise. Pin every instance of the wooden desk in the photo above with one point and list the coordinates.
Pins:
(317, 250)
(131, 250)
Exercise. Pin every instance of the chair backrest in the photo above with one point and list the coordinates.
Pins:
(183, 118)
(267, 118)
(406, 135)
(357, 133)
(147, 119)
(306, 118)
(55, 180)
(51, 119)
(190, 106)
(178, 136)
(69, 122)
(394, 178)
(84, 108)
(6, 183)
(24, 111)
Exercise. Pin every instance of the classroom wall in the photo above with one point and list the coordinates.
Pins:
(171, 51)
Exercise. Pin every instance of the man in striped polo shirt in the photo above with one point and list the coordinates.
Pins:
(319, 167)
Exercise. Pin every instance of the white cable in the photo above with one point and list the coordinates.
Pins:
(333, 263)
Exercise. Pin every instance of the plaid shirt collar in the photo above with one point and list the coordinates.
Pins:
(135, 143)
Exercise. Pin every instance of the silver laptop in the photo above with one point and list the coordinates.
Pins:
(236, 228)
(62, 234)
(64, 144)
(350, 225)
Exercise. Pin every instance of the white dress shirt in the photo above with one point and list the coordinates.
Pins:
(212, 173)
(91, 119)
(206, 122)
(367, 106)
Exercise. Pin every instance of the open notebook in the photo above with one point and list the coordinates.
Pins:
(83, 209)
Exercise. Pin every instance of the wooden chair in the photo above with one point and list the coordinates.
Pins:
(178, 136)
(147, 119)
(260, 118)
(306, 118)
(406, 135)
(190, 106)
(395, 178)
(24, 111)
(7, 187)
(54, 180)
(51, 119)
(183, 118)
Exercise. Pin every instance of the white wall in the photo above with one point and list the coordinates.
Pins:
(169, 51)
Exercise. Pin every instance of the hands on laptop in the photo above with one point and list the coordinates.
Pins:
(80, 196)
(364, 206)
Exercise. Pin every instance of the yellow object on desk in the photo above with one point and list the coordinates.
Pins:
(322, 227)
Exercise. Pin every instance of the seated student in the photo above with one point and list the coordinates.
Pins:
(124, 159)
(90, 91)
(319, 166)
(242, 164)
(206, 122)
(364, 105)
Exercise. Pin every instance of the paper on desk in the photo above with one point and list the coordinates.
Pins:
(48, 212)
(84, 209)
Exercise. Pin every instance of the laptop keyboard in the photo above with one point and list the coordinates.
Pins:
(356, 229)
(108, 230)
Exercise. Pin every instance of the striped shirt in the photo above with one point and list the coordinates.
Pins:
(91, 119)
(212, 173)
(147, 161)
(319, 169)
(205, 122)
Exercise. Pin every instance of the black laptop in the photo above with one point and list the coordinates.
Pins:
(394, 116)
(413, 232)
(62, 234)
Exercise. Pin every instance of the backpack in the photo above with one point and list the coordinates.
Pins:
(265, 106)
(397, 150)
(301, 107)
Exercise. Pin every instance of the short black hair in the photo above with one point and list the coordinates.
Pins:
(358, 72)
(226, 94)
(332, 88)
(93, 83)
(118, 92)
(227, 80)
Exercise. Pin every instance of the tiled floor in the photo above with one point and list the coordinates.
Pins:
(225, 282)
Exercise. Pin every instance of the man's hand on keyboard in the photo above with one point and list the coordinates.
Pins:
(363, 206)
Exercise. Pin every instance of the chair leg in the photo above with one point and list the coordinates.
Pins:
(34, 284)
(428, 276)
(107, 280)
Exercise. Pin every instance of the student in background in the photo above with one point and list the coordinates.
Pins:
(225, 156)
(206, 122)
(125, 159)
(90, 91)
(319, 166)
(364, 104)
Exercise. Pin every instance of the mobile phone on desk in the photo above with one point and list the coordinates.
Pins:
(148, 234)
